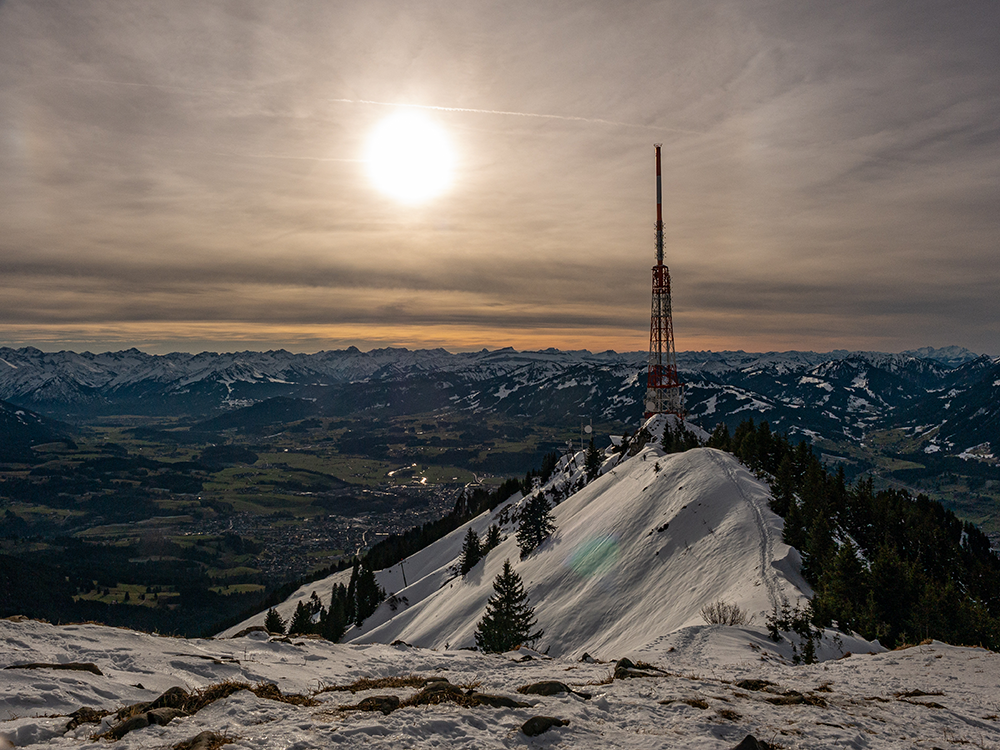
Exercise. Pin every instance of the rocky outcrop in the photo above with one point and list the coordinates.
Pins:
(536, 725)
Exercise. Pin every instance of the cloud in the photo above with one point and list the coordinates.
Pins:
(830, 173)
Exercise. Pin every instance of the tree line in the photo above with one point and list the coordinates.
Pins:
(882, 562)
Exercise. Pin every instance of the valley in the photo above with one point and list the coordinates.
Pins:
(196, 526)
(235, 475)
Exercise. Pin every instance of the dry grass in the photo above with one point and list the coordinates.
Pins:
(606, 680)
(793, 698)
(215, 742)
(192, 703)
(696, 702)
(377, 683)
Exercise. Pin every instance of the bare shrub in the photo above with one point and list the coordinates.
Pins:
(723, 613)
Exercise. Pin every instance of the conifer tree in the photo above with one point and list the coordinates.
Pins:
(536, 524)
(273, 621)
(301, 620)
(720, 438)
(508, 620)
(352, 591)
(472, 551)
(334, 621)
(592, 461)
(369, 595)
(493, 538)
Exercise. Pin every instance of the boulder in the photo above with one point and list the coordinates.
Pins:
(201, 741)
(538, 724)
(384, 703)
(625, 668)
(139, 721)
(73, 665)
(174, 697)
(497, 701)
(550, 687)
(85, 715)
(754, 684)
(252, 629)
(159, 716)
(752, 743)
(163, 715)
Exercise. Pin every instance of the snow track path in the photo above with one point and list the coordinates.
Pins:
(766, 543)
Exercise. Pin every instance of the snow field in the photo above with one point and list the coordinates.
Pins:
(692, 701)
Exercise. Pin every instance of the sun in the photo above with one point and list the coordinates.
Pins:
(409, 157)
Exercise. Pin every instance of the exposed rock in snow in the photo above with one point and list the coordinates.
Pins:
(709, 687)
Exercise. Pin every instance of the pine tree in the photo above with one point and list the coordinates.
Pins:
(592, 461)
(493, 538)
(508, 620)
(273, 621)
(352, 591)
(472, 551)
(720, 438)
(536, 524)
(334, 621)
(369, 595)
(301, 620)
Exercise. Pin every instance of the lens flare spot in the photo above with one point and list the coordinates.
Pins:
(594, 557)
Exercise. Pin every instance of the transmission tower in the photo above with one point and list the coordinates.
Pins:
(664, 392)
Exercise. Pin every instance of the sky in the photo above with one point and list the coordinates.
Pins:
(191, 175)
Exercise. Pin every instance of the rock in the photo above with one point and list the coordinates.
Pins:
(437, 692)
(588, 659)
(85, 715)
(163, 715)
(384, 703)
(794, 698)
(625, 668)
(159, 716)
(754, 684)
(752, 743)
(129, 725)
(201, 741)
(550, 687)
(77, 666)
(252, 629)
(174, 697)
(538, 724)
(497, 701)
(430, 680)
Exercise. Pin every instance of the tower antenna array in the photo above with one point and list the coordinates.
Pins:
(664, 392)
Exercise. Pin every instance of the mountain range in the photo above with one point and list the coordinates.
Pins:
(946, 400)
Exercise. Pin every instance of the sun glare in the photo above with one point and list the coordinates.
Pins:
(409, 157)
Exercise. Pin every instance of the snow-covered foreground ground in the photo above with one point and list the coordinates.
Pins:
(860, 701)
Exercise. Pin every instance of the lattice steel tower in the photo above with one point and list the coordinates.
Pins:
(664, 392)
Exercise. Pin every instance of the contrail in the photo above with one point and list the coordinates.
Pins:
(567, 118)
(571, 118)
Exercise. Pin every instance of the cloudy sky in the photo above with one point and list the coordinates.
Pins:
(192, 175)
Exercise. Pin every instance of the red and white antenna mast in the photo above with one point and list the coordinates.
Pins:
(664, 392)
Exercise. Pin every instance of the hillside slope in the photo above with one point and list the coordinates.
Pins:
(636, 555)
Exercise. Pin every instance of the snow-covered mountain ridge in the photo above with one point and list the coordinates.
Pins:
(836, 394)
(637, 554)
